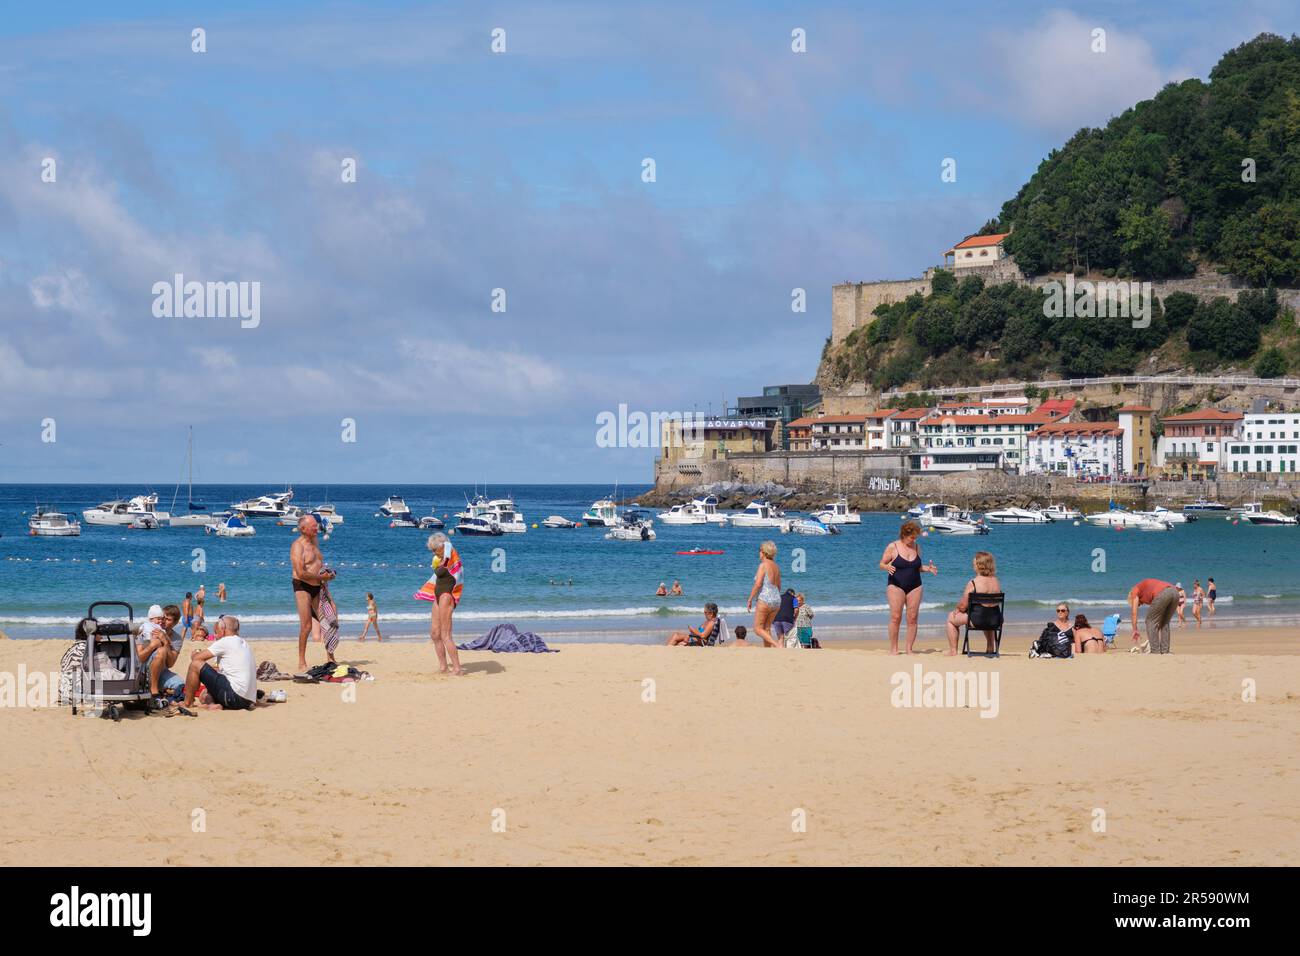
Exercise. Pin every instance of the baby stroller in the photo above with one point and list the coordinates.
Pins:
(107, 676)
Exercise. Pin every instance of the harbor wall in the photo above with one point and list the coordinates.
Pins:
(881, 481)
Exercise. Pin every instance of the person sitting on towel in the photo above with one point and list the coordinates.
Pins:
(234, 685)
(696, 637)
(157, 646)
(1057, 639)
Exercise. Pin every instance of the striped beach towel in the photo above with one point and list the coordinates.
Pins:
(450, 560)
(328, 615)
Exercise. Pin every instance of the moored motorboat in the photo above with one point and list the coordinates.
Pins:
(121, 512)
(1160, 513)
(478, 525)
(602, 514)
(683, 514)
(707, 505)
(265, 506)
(52, 524)
(1205, 505)
(838, 512)
(394, 507)
(1015, 515)
(632, 526)
(506, 516)
(1062, 513)
(556, 521)
(1119, 518)
(759, 514)
(1257, 515)
(812, 526)
(234, 526)
(432, 523)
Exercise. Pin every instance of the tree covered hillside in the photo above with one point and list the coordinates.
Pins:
(1167, 185)
(964, 333)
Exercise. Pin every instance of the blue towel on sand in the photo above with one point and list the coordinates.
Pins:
(508, 639)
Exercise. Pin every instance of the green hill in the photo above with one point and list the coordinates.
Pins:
(1168, 183)
(1157, 193)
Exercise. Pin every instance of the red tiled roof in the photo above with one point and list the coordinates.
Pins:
(910, 413)
(801, 423)
(882, 413)
(973, 241)
(1063, 405)
(1077, 429)
(1205, 415)
(841, 420)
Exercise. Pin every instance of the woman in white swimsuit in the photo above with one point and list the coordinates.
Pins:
(767, 592)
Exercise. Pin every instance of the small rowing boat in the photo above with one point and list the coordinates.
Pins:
(700, 551)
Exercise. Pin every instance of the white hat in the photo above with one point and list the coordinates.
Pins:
(155, 611)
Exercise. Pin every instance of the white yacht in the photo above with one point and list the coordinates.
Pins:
(558, 521)
(919, 510)
(1062, 513)
(124, 512)
(234, 526)
(1161, 513)
(403, 521)
(602, 514)
(502, 511)
(330, 512)
(1202, 505)
(683, 514)
(265, 506)
(707, 505)
(1257, 515)
(759, 514)
(945, 519)
(145, 523)
(633, 526)
(394, 507)
(813, 526)
(838, 512)
(477, 525)
(52, 524)
(432, 523)
(1016, 516)
(1119, 518)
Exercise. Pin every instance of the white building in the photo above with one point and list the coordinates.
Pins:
(878, 428)
(901, 428)
(839, 432)
(1269, 443)
(1075, 449)
(1193, 443)
(1001, 435)
(976, 251)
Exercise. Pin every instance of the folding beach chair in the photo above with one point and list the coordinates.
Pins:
(984, 613)
(1109, 628)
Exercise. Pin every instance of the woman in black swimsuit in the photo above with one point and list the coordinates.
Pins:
(902, 560)
(1087, 639)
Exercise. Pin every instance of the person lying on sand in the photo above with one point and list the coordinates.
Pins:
(1087, 639)
(697, 637)
(232, 683)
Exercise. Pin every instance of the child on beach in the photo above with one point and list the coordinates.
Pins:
(741, 633)
(803, 622)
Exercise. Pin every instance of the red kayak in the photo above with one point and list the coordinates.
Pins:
(700, 551)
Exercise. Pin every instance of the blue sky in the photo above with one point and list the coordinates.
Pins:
(478, 171)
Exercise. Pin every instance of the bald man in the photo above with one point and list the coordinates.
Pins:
(309, 575)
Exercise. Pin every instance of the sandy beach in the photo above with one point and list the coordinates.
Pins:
(574, 758)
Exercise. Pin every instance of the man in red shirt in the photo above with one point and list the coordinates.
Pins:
(1161, 599)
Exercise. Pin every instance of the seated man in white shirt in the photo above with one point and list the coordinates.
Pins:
(232, 683)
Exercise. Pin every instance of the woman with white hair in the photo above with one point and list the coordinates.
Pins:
(443, 589)
(767, 592)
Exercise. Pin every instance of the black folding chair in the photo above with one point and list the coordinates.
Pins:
(984, 612)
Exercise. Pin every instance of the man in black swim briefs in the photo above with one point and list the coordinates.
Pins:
(309, 573)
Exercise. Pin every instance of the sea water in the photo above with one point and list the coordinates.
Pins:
(573, 585)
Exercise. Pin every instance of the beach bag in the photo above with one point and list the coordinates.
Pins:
(805, 636)
(1053, 643)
